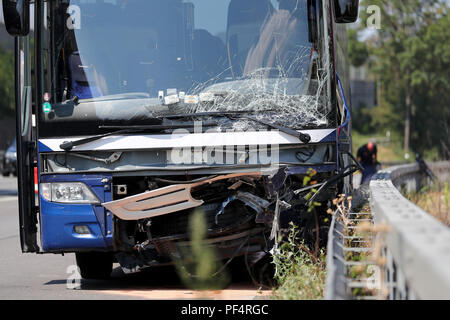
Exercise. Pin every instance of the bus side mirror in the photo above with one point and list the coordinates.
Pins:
(346, 11)
(17, 17)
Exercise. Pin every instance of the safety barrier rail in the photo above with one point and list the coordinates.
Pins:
(415, 249)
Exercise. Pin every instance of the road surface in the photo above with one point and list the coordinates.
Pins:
(33, 276)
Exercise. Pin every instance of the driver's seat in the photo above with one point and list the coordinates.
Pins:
(79, 75)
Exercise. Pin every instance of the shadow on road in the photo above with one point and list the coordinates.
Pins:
(148, 278)
(161, 282)
(8, 192)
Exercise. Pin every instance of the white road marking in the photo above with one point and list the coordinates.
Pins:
(5, 199)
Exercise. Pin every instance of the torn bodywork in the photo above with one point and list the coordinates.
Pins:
(244, 213)
(161, 201)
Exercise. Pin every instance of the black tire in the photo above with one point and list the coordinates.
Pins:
(264, 272)
(5, 174)
(261, 273)
(95, 265)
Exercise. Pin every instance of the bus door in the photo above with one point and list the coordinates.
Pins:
(26, 146)
(17, 22)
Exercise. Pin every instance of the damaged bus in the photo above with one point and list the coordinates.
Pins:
(141, 112)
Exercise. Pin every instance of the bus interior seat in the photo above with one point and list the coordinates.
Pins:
(81, 78)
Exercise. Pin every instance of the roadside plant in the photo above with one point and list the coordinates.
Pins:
(300, 274)
(198, 265)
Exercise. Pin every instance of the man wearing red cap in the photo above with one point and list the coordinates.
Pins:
(367, 156)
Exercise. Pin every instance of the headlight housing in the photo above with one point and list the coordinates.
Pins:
(68, 192)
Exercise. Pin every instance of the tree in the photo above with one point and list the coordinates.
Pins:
(357, 51)
(430, 62)
(411, 61)
(6, 83)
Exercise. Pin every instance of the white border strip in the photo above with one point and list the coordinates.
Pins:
(167, 141)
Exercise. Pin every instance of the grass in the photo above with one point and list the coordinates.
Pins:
(387, 151)
(434, 200)
(299, 273)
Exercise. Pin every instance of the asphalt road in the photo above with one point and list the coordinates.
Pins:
(50, 276)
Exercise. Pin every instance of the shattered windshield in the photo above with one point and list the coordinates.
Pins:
(137, 59)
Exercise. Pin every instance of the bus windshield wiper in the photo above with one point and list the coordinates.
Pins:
(119, 130)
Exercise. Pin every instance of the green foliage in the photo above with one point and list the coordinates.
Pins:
(6, 83)
(198, 264)
(363, 120)
(411, 61)
(300, 275)
(357, 50)
(387, 152)
(300, 271)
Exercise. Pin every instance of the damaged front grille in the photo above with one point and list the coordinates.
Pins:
(249, 205)
(235, 217)
(230, 203)
(164, 200)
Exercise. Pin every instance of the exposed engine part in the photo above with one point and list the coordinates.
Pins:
(256, 203)
(298, 191)
(334, 180)
(111, 159)
(163, 200)
(275, 224)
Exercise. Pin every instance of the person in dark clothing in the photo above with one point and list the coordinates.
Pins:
(367, 157)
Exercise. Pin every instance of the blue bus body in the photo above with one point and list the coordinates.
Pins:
(122, 163)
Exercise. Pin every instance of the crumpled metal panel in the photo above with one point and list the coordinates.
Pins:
(163, 200)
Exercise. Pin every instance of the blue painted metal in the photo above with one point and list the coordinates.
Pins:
(331, 137)
(304, 169)
(58, 220)
(343, 134)
(43, 148)
(347, 110)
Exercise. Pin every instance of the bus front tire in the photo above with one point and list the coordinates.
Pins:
(94, 265)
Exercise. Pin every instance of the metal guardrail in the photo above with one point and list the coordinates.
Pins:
(416, 250)
(335, 287)
(418, 246)
(339, 285)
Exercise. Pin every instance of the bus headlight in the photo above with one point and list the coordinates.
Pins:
(68, 192)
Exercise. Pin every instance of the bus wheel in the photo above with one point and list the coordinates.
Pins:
(94, 265)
